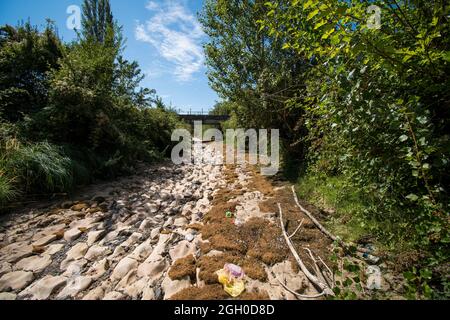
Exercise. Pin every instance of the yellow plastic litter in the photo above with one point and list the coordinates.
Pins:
(232, 285)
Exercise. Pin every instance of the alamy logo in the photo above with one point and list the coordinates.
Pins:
(189, 149)
(374, 21)
(74, 20)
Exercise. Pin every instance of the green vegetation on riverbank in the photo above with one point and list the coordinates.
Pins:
(70, 112)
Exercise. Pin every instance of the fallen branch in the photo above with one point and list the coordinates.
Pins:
(298, 294)
(322, 228)
(296, 230)
(323, 286)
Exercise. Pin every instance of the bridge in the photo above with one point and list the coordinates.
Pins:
(204, 117)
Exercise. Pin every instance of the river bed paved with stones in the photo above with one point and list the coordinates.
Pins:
(118, 242)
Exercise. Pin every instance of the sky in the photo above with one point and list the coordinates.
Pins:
(164, 36)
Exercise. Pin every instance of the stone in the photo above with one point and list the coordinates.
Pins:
(54, 249)
(44, 288)
(96, 252)
(189, 237)
(155, 232)
(72, 234)
(142, 251)
(135, 289)
(146, 224)
(160, 248)
(15, 280)
(79, 207)
(95, 294)
(49, 231)
(7, 296)
(171, 287)
(123, 267)
(75, 286)
(5, 267)
(114, 295)
(45, 240)
(152, 207)
(34, 263)
(98, 269)
(94, 236)
(182, 249)
(77, 252)
(153, 269)
(74, 267)
(16, 251)
(148, 293)
(180, 222)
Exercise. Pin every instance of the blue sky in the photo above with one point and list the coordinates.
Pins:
(164, 36)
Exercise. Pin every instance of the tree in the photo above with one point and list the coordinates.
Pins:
(26, 57)
(247, 67)
(97, 19)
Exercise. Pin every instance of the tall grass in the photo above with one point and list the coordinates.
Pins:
(32, 168)
(7, 192)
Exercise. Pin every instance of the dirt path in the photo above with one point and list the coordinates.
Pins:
(161, 234)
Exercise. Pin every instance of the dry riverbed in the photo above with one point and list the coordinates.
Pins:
(161, 234)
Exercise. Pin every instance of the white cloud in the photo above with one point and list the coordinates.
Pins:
(176, 34)
(152, 5)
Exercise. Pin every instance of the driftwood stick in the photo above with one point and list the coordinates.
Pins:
(296, 230)
(298, 294)
(323, 286)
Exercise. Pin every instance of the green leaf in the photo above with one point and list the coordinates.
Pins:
(312, 14)
(403, 138)
(307, 4)
(412, 197)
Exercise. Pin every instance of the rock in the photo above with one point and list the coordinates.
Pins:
(77, 252)
(7, 296)
(171, 287)
(74, 267)
(182, 249)
(95, 294)
(5, 267)
(135, 289)
(160, 248)
(98, 269)
(168, 222)
(96, 252)
(45, 240)
(123, 267)
(15, 280)
(146, 224)
(153, 269)
(148, 293)
(114, 296)
(79, 207)
(75, 286)
(54, 249)
(44, 288)
(72, 234)
(16, 251)
(189, 237)
(155, 232)
(34, 263)
(142, 251)
(49, 231)
(152, 207)
(180, 222)
(94, 236)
